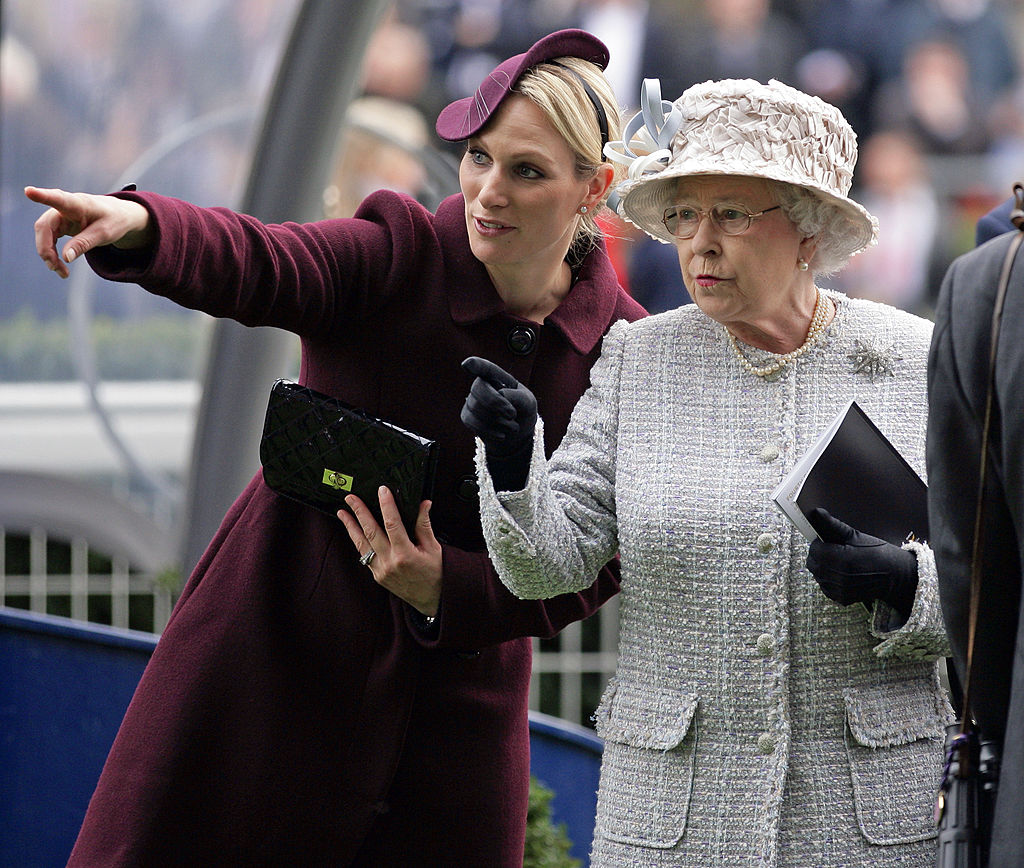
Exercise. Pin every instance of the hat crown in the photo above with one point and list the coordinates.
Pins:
(740, 126)
(465, 117)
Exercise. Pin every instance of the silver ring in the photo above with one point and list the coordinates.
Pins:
(369, 556)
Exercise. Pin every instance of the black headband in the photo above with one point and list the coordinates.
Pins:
(602, 118)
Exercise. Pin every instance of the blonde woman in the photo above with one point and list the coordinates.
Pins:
(330, 694)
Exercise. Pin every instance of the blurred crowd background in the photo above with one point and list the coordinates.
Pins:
(97, 92)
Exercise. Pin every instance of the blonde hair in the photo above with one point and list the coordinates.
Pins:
(557, 90)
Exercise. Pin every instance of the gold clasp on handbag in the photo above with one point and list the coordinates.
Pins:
(337, 481)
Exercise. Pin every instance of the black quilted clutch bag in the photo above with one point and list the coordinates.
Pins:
(317, 449)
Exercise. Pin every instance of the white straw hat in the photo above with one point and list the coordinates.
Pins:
(738, 127)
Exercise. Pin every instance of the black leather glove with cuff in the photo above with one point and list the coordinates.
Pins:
(502, 412)
(854, 567)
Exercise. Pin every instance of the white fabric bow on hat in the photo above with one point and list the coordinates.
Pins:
(651, 131)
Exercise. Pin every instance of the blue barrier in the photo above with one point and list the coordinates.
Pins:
(566, 758)
(64, 687)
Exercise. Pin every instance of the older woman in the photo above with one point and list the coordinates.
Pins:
(296, 712)
(751, 720)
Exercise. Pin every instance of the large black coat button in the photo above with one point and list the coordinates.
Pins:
(522, 340)
(468, 489)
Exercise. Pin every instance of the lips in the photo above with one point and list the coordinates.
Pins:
(490, 227)
(707, 279)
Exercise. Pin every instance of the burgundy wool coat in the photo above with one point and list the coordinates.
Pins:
(293, 713)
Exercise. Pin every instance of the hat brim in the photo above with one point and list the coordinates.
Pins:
(643, 203)
(453, 119)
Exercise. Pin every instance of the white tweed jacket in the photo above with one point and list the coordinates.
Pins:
(751, 720)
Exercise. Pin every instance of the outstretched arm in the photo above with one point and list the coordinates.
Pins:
(90, 220)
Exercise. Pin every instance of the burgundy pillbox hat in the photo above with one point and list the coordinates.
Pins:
(464, 117)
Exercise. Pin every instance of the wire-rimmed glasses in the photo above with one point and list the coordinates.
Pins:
(683, 220)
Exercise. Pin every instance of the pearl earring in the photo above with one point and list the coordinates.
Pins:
(802, 264)
(583, 209)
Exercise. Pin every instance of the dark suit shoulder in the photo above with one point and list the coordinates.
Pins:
(995, 222)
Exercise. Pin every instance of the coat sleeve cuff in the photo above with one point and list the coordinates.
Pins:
(923, 635)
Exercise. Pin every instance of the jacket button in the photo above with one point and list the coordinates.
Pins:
(769, 452)
(522, 340)
(468, 489)
(766, 743)
(765, 645)
(766, 542)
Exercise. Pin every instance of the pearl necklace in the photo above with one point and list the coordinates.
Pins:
(814, 333)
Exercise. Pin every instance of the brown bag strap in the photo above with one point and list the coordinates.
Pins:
(1017, 216)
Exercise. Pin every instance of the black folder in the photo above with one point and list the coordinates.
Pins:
(856, 473)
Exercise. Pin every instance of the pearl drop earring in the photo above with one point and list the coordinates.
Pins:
(802, 264)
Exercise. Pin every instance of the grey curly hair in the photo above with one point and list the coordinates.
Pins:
(813, 216)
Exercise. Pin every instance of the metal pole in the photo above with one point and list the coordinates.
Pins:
(316, 80)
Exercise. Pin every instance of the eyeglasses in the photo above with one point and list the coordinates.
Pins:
(683, 220)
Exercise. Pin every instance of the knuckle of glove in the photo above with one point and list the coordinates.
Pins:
(830, 588)
(472, 420)
(827, 572)
(863, 541)
(819, 556)
(522, 400)
(840, 590)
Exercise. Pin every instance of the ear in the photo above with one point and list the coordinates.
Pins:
(807, 248)
(599, 184)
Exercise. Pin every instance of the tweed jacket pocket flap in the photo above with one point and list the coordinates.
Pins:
(647, 770)
(644, 717)
(894, 745)
(898, 712)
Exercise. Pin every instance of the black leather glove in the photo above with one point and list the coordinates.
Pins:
(853, 567)
(502, 412)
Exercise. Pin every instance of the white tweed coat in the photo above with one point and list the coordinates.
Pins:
(751, 720)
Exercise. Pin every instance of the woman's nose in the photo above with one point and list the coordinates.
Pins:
(707, 238)
(492, 190)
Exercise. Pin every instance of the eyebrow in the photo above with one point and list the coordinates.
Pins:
(729, 200)
(528, 152)
(738, 202)
(745, 193)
